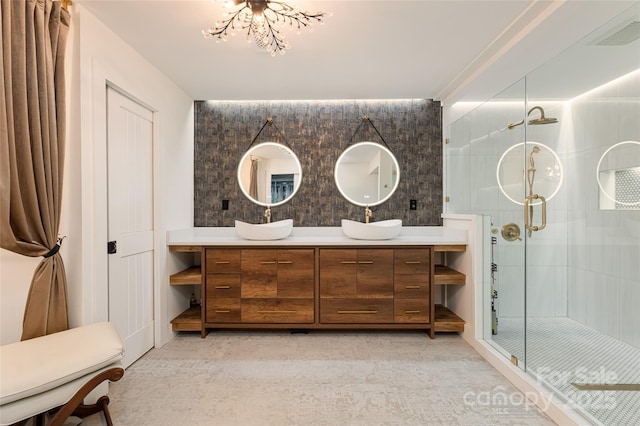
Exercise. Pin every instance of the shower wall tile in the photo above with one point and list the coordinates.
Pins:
(561, 291)
(577, 278)
(540, 291)
(628, 313)
(318, 132)
(510, 283)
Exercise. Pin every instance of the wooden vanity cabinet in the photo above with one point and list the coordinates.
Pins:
(376, 286)
(277, 286)
(319, 287)
(259, 286)
(356, 286)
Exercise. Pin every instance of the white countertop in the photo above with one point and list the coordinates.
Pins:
(317, 236)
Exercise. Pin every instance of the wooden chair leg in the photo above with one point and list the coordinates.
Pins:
(75, 403)
(102, 404)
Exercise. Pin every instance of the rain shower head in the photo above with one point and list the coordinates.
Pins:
(541, 120)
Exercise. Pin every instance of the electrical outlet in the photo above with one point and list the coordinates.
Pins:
(225, 204)
(413, 204)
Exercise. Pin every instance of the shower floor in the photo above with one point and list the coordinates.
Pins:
(561, 352)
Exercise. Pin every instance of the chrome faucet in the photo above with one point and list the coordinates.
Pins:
(367, 214)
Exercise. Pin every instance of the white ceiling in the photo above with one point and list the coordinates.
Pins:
(445, 50)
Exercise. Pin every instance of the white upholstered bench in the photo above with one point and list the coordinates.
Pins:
(58, 371)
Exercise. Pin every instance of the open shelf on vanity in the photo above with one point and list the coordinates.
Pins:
(444, 275)
(446, 320)
(191, 318)
(189, 276)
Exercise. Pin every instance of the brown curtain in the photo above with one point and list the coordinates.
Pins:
(32, 128)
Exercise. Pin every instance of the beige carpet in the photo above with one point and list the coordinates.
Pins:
(320, 378)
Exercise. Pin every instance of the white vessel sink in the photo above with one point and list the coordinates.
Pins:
(264, 231)
(383, 230)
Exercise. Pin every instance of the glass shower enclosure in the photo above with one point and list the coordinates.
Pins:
(554, 162)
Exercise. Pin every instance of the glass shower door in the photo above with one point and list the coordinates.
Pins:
(484, 175)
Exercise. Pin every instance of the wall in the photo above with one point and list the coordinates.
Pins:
(107, 60)
(604, 245)
(317, 131)
(95, 58)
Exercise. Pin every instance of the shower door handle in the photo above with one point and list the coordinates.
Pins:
(528, 220)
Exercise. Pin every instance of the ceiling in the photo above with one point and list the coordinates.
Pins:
(446, 50)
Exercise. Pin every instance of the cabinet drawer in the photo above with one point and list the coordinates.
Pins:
(222, 310)
(411, 310)
(221, 261)
(223, 285)
(356, 311)
(411, 286)
(277, 311)
(412, 261)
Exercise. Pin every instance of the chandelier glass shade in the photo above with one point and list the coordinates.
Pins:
(263, 22)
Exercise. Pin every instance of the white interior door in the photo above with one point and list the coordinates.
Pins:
(130, 222)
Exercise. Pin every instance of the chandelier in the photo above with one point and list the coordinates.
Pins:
(263, 21)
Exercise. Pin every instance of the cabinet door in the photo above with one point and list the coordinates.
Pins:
(375, 273)
(259, 273)
(295, 273)
(338, 273)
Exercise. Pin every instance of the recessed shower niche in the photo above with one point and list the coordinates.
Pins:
(618, 175)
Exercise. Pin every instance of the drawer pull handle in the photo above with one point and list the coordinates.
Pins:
(222, 312)
(268, 262)
(367, 262)
(285, 262)
(358, 312)
(349, 262)
(222, 262)
(412, 262)
(222, 287)
(412, 287)
(411, 312)
(276, 312)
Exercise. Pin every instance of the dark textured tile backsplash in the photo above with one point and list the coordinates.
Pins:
(318, 132)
